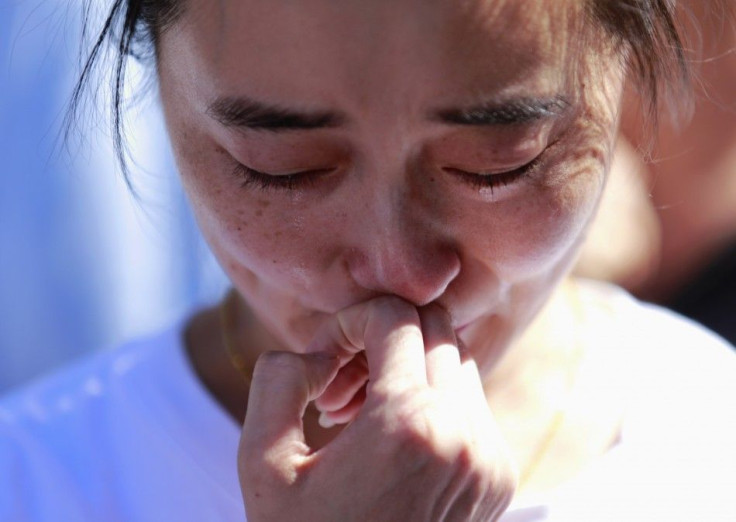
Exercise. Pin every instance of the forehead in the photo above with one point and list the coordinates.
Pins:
(321, 50)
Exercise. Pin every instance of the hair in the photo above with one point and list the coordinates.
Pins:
(645, 32)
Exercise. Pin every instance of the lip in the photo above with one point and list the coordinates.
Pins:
(467, 324)
(460, 329)
(320, 311)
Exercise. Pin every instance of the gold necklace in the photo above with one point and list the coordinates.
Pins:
(562, 409)
(228, 325)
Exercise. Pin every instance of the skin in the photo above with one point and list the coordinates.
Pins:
(390, 225)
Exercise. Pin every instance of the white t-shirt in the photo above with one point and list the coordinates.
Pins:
(132, 435)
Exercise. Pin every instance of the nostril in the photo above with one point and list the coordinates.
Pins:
(418, 275)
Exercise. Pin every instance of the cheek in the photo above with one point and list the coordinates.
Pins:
(244, 231)
(252, 237)
(261, 243)
(525, 237)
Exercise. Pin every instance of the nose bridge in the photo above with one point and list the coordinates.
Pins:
(401, 251)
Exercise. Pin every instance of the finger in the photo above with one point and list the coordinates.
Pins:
(442, 355)
(478, 403)
(282, 386)
(345, 414)
(394, 346)
(345, 385)
(470, 378)
(388, 329)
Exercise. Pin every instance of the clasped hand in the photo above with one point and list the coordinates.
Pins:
(421, 443)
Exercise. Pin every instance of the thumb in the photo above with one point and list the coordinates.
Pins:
(283, 384)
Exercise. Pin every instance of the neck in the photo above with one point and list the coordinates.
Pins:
(527, 389)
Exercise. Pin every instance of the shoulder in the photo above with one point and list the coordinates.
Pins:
(659, 357)
(678, 381)
(127, 434)
(56, 433)
(649, 334)
(672, 385)
(662, 356)
(77, 387)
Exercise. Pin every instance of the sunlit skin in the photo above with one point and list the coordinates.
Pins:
(393, 201)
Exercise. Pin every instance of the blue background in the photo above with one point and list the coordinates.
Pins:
(83, 266)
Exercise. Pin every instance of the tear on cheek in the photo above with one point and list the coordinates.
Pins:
(548, 235)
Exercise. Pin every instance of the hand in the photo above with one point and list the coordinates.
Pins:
(422, 446)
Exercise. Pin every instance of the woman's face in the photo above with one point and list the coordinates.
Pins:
(440, 151)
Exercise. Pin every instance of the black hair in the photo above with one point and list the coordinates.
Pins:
(646, 31)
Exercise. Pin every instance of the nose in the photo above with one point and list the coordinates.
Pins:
(402, 254)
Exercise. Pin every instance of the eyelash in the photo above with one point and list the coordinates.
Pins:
(497, 179)
(250, 177)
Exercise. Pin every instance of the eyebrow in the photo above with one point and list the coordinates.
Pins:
(511, 112)
(246, 113)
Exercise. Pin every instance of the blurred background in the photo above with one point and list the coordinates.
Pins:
(84, 266)
(666, 230)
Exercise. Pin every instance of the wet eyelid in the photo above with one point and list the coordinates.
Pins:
(492, 181)
(250, 177)
(496, 164)
(288, 173)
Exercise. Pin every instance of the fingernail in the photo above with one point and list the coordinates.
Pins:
(325, 421)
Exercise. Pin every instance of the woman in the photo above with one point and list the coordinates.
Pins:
(396, 190)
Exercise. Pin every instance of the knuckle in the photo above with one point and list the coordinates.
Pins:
(416, 438)
(490, 487)
(414, 428)
(251, 474)
(464, 462)
(268, 470)
(507, 481)
(278, 362)
(497, 478)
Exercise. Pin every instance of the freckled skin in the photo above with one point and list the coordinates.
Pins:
(390, 220)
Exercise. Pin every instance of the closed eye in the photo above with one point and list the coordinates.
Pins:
(493, 180)
(250, 177)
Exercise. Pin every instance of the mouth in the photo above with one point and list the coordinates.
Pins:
(316, 313)
(460, 329)
(464, 326)
(468, 325)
